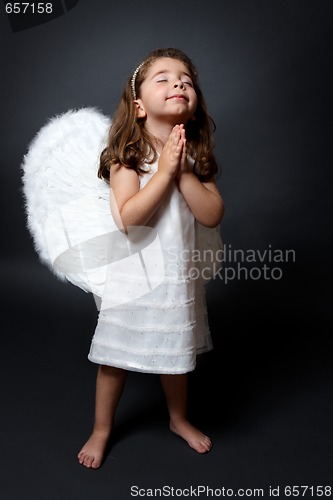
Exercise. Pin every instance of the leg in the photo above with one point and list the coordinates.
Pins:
(109, 386)
(175, 389)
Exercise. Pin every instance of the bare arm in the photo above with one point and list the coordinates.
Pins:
(131, 206)
(203, 199)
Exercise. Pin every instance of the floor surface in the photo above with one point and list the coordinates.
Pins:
(264, 395)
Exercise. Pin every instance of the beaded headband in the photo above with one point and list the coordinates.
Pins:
(134, 78)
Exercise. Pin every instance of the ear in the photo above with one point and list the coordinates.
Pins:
(140, 110)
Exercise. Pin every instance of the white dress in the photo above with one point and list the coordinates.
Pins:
(153, 314)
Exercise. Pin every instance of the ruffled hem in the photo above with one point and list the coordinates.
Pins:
(171, 364)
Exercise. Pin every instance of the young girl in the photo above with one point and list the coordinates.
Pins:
(160, 167)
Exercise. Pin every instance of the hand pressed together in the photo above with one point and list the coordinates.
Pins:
(173, 159)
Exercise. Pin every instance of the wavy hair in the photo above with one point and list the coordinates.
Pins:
(129, 142)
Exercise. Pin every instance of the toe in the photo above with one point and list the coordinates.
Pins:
(208, 444)
(88, 461)
(96, 464)
(204, 445)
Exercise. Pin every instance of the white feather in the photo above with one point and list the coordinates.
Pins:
(67, 205)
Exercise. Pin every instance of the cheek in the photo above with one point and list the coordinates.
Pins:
(154, 93)
(160, 90)
(158, 96)
(195, 103)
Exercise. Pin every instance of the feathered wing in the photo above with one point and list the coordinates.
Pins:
(67, 205)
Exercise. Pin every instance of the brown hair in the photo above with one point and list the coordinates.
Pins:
(130, 144)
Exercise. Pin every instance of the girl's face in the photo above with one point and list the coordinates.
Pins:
(167, 93)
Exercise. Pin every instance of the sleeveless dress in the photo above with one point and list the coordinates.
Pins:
(153, 315)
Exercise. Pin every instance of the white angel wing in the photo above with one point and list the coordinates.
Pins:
(67, 205)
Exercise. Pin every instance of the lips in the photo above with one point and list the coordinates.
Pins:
(178, 96)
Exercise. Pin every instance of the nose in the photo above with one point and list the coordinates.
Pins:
(179, 84)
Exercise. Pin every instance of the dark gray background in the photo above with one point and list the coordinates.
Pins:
(265, 393)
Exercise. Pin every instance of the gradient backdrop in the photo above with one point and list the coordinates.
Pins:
(265, 393)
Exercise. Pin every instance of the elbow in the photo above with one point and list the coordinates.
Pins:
(117, 218)
(214, 217)
(212, 223)
(125, 222)
(116, 212)
(120, 215)
(221, 212)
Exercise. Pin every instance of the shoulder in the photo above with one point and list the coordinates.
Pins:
(119, 174)
(119, 169)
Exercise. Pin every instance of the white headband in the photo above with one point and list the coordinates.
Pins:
(133, 80)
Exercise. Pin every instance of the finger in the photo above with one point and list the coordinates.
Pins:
(184, 154)
(177, 136)
(175, 130)
(184, 148)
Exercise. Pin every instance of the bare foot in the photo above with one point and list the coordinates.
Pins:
(194, 438)
(92, 453)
